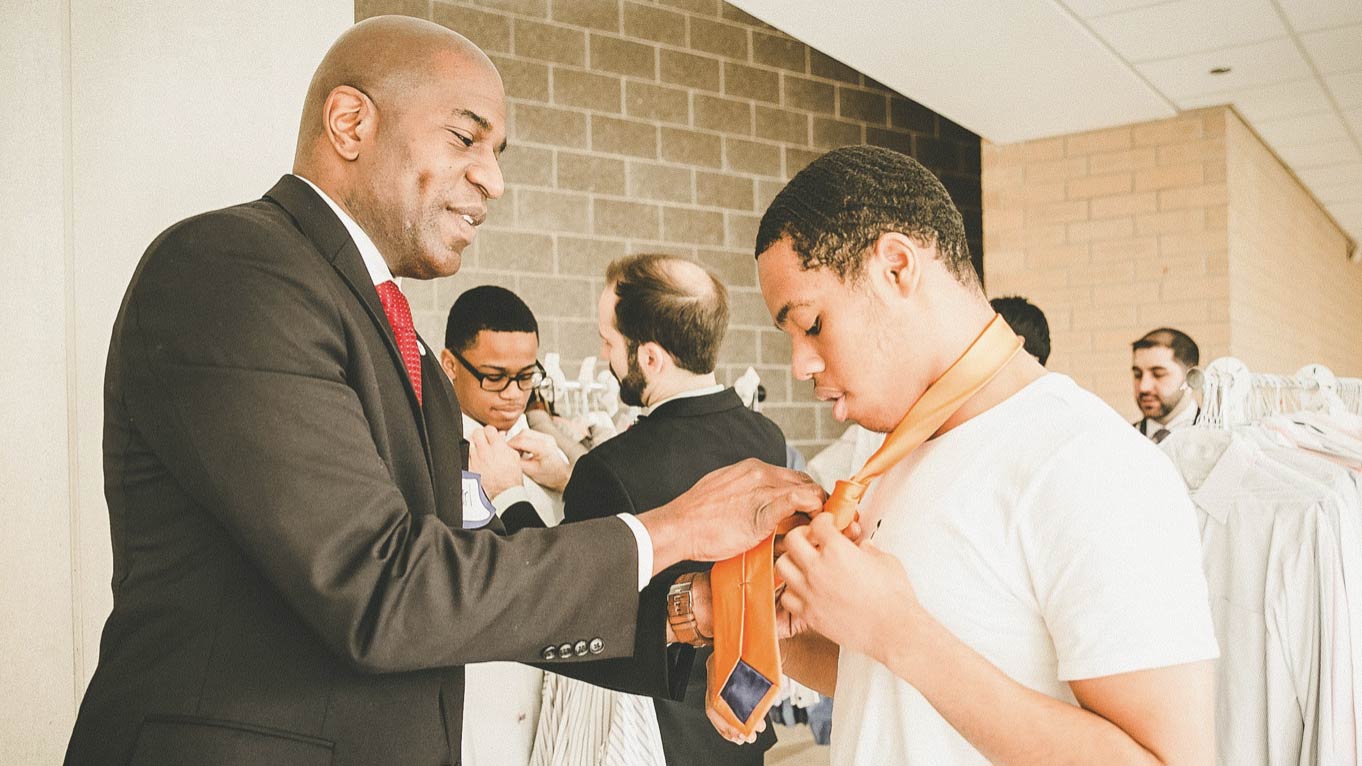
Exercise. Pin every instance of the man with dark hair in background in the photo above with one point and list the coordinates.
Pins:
(1027, 320)
(1033, 593)
(491, 356)
(661, 321)
(1159, 363)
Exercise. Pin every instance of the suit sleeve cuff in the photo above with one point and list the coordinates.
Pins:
(510, 497)
(645, 548)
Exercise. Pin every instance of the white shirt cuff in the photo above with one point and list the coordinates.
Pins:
(645, 548)
(509, 497)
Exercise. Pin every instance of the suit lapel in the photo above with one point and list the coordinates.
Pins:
(319, 223)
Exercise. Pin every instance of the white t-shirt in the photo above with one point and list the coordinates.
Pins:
(1049, 536)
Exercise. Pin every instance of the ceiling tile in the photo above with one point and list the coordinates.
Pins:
(1091, 8)
(1183, 27)
(1313, 155)
(1331, 194)
(1306, 15)
(1331, 177)
(1346, 87)
(1335, 50)
(1302, 129)
(1354, 119)
(1262, 63)
(1347, 213)
(1267, 102)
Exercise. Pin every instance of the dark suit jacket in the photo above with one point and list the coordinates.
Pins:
(291, 582)
(649, 465)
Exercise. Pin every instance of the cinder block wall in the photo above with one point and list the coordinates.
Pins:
(664, 126)
(1189, 222)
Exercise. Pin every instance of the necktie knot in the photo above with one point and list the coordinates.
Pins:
(398, 311)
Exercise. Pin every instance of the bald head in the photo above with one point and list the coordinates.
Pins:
(403, 127)
(385, 57)
(672, 302)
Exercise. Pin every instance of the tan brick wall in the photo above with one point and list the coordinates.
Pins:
(664, 126)
(1112, 233)
(1189, 222)
(1294, 297)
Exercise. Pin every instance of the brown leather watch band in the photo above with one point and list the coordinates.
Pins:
(681, 612)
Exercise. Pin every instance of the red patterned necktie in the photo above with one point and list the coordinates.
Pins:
(399, 318)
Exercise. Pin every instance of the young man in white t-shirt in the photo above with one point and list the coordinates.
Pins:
(1028, 589)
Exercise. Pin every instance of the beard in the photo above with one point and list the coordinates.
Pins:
(633, 384)
(1165, 405)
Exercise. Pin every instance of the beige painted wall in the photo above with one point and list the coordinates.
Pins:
(1295, 299)
(121, 118)
(1188, 222)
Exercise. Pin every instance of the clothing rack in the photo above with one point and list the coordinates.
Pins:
(1233, 396)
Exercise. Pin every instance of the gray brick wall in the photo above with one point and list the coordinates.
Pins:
(664, 126)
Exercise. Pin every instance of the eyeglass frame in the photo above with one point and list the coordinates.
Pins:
(521, 380)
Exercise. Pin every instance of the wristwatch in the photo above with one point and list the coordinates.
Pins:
(681, 612)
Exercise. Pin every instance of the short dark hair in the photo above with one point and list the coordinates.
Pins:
(657, 306)
(1184, 348)
(835, 209)
(1027, 320)
(486, 307)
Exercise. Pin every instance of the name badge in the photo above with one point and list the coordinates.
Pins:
(477, 509)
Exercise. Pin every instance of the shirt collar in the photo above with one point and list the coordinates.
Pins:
(520, 425)
(373, 260)
(704, 391)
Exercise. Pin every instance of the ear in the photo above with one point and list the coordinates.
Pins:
(449, 364)
(653, 358)
(895, 263)
(349, 118)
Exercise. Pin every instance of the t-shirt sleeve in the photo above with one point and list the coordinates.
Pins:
(1111, 540)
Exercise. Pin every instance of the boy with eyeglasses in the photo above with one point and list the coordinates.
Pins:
(491, 357)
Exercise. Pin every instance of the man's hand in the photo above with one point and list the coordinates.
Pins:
(725, 729)
(496, 461)
(541, 460)
(727, 512)
(851, 594)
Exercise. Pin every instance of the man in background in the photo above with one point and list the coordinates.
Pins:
(1159, 363)
(1027, 320)
(661, 322)
(491, 356)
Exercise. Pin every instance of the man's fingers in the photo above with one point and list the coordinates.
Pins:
(783, 505)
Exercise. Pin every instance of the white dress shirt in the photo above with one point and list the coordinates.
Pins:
(703, 391)
(379, 273)
(1275, 569)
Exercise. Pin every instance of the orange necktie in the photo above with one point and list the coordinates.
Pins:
(746, 666)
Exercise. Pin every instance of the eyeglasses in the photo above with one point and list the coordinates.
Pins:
(497, 382)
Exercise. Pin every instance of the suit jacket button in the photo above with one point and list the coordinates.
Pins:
(565, 650)
(579, 648)
(597, 646)
(549, 653)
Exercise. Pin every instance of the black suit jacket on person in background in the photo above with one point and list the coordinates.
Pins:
(654, 461)
(291, 583)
